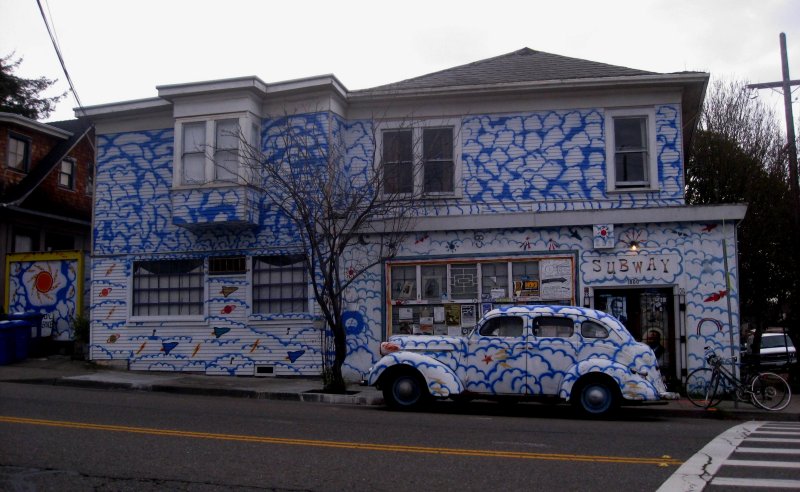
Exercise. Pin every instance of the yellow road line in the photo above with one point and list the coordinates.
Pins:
(662, 461)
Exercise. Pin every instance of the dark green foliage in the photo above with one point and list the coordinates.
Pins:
(737, 156)
(23, 96)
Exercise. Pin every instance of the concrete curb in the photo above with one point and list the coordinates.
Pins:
(304, 396)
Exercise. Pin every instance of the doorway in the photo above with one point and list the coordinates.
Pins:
(648, 314)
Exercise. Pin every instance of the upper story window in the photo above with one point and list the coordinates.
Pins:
(631, 149)
(66, 174)
(421, 159)
(209, 150)
(19, 153)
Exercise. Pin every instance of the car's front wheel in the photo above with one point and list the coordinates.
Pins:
(595, 397)
(405, 390)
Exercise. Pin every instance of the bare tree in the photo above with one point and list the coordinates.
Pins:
(324, 180)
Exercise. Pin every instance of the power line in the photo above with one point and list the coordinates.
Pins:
(58, 53)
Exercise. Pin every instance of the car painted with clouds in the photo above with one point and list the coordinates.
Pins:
(565, 353)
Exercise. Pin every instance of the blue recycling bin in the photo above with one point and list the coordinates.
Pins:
(36, 342)
(15, 336)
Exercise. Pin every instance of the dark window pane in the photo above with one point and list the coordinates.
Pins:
(398, 165)
(168, 287)
(438, 177)
(630, 167)
(398, 177)
(630, 133)
(280, 284)
(437, 144)
(397, 146)
(437, 156)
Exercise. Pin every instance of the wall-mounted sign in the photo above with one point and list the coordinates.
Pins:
(631, 268)
(604, 236)
(556, 279)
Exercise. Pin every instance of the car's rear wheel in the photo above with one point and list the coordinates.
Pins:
(405, 390)
(595, 396)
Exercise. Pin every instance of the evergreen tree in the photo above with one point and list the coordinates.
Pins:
(23, 96)
(737, 156)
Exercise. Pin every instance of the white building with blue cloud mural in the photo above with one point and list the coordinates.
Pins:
(546, 179)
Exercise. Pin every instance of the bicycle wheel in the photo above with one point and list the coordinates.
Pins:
(770, 391)
(702, 388)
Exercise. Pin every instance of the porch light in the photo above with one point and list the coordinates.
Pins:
(635, 246)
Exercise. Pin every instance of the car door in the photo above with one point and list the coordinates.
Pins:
(496, 363)
(554, 349)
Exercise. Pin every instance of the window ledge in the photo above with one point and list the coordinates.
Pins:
(619, 191)
(208, 185)
(159, 321)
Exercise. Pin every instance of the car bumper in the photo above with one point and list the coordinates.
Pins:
(669, 395)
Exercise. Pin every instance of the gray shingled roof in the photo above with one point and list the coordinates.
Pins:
(525, 65)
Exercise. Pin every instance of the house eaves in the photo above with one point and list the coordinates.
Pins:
(678, 214)
(656, 80)
(135, 106)
(22, 121)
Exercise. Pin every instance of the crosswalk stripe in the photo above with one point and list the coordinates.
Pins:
(767, 450)
(756, 482)
(772, 439)
(780, 433)
(765, 463)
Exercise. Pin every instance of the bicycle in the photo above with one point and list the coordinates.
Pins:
(705, 387)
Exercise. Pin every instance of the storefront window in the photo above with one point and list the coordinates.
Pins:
(494, 281)
(464, 281)
(434, 282)
(526, 280)
(404, 282)
(448, 298)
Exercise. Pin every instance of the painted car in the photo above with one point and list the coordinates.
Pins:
(565, 353)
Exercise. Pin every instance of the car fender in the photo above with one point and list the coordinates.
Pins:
(632, 386)
(441, 380)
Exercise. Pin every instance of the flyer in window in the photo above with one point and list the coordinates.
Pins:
(438, 314)
(453, 314)
(426, 325)
(406, 313)
(468, 318)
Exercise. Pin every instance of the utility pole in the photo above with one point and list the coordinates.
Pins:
(786, 85)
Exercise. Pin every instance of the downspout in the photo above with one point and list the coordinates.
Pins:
(728, 297)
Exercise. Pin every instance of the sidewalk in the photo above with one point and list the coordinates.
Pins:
(62, 371)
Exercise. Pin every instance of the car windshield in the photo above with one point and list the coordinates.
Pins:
(776, 341)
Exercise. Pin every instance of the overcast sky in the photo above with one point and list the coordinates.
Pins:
(118, 50)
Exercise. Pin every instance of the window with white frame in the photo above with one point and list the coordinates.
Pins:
(19, 149)
(631, 149)
(280, 284)
(66, 174)
(447, 297)
(210, 150)
(168, 288)
(422, 159)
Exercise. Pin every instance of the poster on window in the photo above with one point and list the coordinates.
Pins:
(453, 314)
(556, 279)
(406, 313)
(468, 317)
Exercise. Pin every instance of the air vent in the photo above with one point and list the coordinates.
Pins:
(265, 371)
